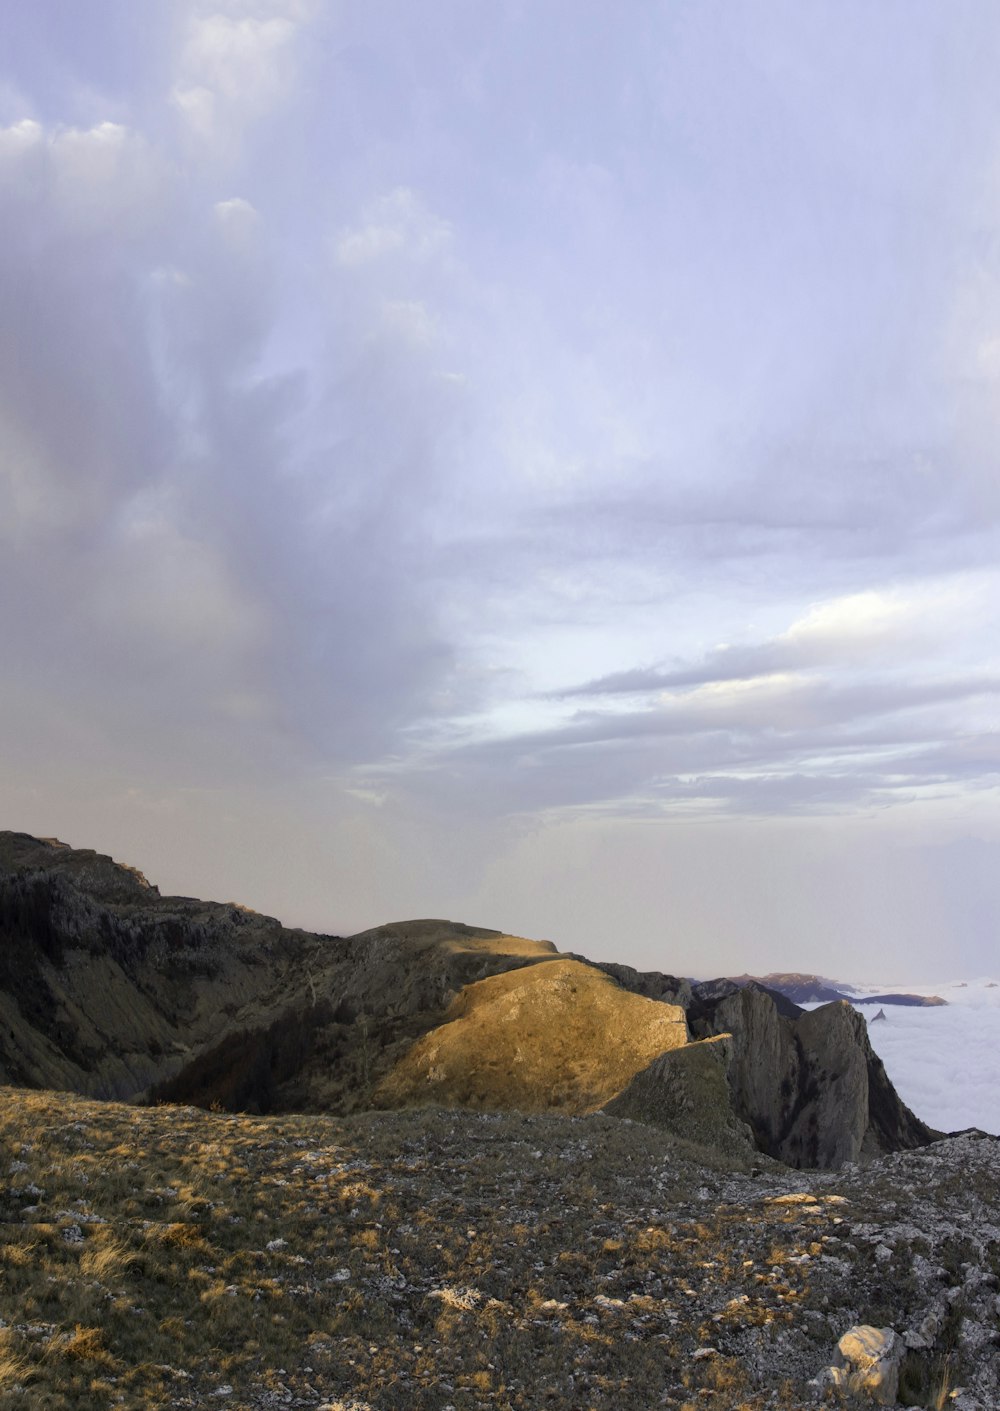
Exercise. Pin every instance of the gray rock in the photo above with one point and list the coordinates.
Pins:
(811, 1089)
(687, 1092)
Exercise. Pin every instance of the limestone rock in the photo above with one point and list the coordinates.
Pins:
(811, 1088)
(867, 1363)
(653, 984)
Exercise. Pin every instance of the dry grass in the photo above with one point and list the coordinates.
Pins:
(13, 1367)
(557, 1034)
(153, 1258)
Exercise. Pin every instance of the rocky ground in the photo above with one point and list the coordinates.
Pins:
(433, 1259)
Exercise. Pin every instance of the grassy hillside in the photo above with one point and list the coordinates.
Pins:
(559, 1035)
(176, 1258)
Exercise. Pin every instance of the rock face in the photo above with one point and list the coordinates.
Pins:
(105, 986)
(110, 990)
(810, 1088)
(687, 1092)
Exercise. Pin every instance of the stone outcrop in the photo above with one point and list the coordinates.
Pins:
(687, 1092)
(811, 1088)
(652, 984)
(867, 1362)
(105, 986)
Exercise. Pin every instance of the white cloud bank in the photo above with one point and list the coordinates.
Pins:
(945, 1062)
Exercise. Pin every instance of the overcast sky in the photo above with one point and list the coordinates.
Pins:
(534, 463)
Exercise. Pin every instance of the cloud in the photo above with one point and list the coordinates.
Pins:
(88, 180)
(190, 525)
(944, 1062)
(397, 223)
(836, 713)
(180, 595)
(237, 61)
(236, 215)
(843, 631)
(384, 420)
(78, 419)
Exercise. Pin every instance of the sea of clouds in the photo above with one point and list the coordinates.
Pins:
(944, 1061)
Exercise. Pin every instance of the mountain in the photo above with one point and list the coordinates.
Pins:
(109, 989)
(814, 989)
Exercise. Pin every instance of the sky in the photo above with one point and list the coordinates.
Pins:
(535, 464)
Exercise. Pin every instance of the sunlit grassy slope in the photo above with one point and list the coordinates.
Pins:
(171, 1257)
(556, 1035)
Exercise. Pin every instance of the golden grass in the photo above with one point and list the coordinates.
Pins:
(107, 1259)
(83, 1345)
(557, 1034)
(153, 1257)
(13, 1366)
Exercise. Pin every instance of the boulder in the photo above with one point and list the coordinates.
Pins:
(867, 1363)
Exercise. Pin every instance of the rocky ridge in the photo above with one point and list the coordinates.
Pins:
(110, 990)
(814, 989)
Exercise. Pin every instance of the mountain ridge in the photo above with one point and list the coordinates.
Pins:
(109, 989)
(815, 989)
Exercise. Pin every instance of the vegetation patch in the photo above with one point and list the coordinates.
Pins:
(171, 1257)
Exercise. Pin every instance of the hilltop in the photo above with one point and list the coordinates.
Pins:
(173, 1258)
